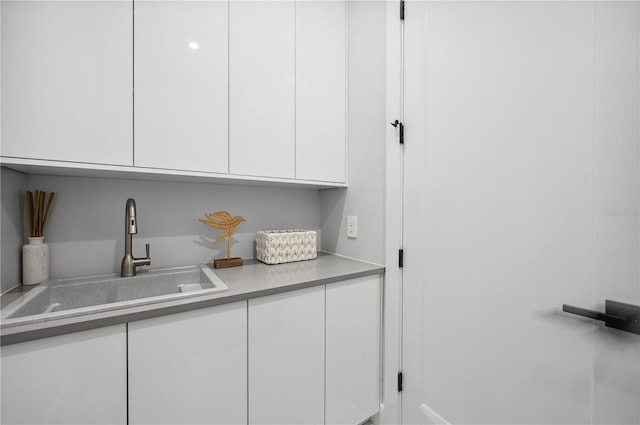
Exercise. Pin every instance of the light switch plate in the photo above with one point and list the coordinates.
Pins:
(352, 226)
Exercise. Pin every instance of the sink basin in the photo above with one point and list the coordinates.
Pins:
(71, 297)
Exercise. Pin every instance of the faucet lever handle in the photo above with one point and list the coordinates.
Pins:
(148, 248)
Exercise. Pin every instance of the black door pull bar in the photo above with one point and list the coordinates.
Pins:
(625, 317)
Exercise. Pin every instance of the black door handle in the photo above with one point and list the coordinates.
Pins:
(625, 317)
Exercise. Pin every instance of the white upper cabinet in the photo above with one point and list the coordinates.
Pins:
(262, 88)
(181, 85)
(67, 81)
(254, 88)
(321, 117)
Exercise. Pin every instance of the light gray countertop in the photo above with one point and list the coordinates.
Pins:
(253, 279)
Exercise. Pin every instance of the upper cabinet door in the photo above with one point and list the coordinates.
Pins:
(262, 88)
(321, 90)
(67, 81)
(181, 85)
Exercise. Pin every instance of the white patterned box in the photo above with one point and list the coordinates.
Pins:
(285, 246)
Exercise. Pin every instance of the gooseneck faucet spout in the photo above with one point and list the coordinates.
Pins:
(129, 262)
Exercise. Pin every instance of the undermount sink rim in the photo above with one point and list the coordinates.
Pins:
(219, 287)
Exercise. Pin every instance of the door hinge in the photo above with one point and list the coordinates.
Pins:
(400, 128)
(402, 10)
(399, 382)
(401, 258)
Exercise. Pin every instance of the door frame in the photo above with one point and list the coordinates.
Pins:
(390, 398)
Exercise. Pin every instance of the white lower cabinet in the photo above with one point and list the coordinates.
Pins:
(189, 368)
(314, 354)
(353, 350)
(78, 378)
(309, 356)
(286, 358)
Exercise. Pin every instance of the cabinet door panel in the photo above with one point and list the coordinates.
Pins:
(67, 82)
(79, 378)
(286, 358)
(321, 90)
(189, 368)
(262, 88)
(181, 95)
(353, 350)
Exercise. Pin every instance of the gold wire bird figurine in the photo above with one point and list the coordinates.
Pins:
(223, 220)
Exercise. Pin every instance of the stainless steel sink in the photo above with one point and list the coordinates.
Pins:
(72, 297)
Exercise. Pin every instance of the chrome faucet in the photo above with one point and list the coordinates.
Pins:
(129, 263)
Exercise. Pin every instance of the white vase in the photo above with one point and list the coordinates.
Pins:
(35, 262)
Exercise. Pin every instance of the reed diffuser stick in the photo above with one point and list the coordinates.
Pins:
(37, 213)
(46, 212)
(30, 211)
(40, 212)
(36, 223)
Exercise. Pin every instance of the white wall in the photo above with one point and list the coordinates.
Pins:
(13, 186)
(85, 232)
(366, 133)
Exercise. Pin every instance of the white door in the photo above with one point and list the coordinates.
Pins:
(521, 194)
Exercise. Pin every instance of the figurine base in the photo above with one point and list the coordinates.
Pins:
(227, 262)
